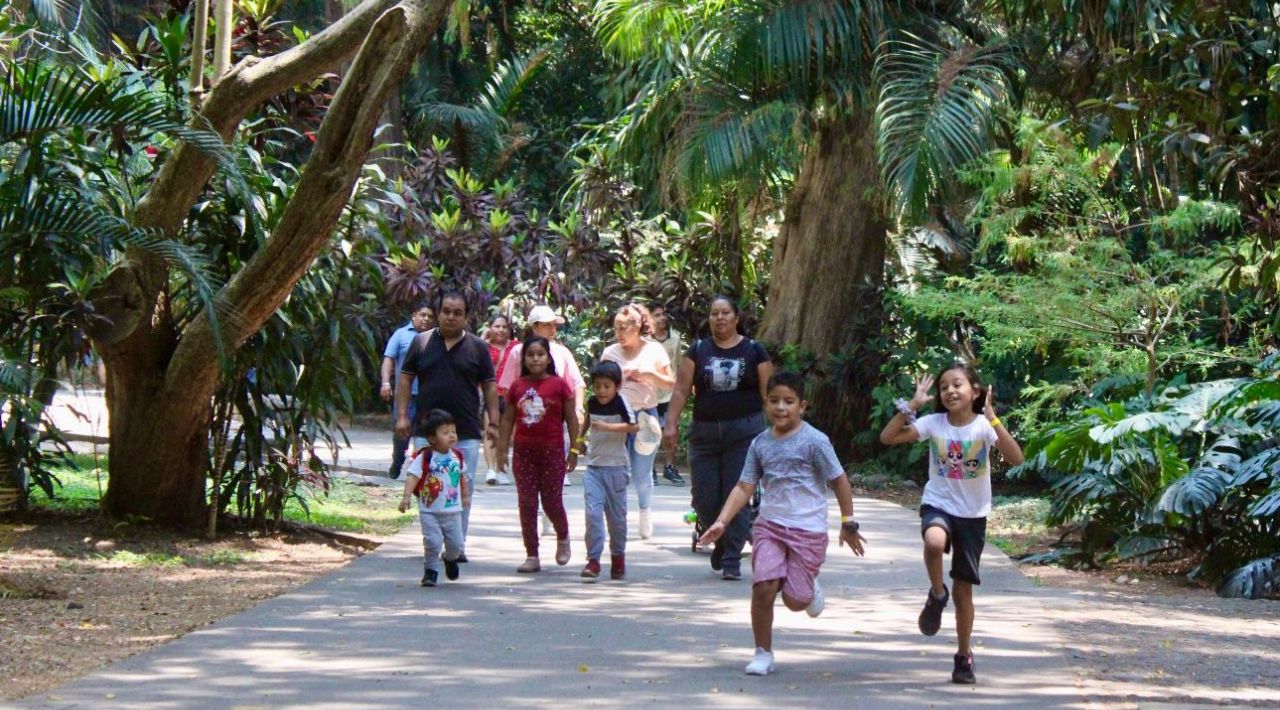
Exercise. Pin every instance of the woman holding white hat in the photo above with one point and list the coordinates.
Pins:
(646, 368)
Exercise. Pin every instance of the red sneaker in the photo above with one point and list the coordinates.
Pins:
(591, 571)
(617, 567)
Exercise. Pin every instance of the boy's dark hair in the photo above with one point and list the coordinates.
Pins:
(424, 303)
(546, 345)
(975, 381)
(607, 370)
(787, 378)
(436, 418)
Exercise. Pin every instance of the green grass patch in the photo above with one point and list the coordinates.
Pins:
(84, 481)
(145, 559)
(350, 508)
(222, 557)
(1016, 523)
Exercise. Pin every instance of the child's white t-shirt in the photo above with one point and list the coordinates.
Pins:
(959, 465)
(441, 491)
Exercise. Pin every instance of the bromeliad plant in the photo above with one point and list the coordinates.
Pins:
(1192, 470)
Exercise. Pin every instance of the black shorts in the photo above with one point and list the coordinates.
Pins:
(965, 539)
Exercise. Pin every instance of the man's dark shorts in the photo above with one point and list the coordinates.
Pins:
(965, 539)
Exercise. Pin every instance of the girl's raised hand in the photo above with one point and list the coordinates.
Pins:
(989, 408)
(924, 384)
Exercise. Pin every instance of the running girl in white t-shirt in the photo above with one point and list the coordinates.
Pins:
(957, 497)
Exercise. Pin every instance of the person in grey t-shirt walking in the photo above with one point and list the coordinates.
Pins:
(610, 421)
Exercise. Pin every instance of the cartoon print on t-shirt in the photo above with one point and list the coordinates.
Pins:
(960, 459)
(431, 490)
(532, 408)
(440, 471)
(955, 459)
(725, 374)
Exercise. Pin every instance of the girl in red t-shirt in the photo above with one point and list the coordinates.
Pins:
(539, 406)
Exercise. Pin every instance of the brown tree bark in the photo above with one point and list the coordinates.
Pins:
(161, 380)
(828, 272)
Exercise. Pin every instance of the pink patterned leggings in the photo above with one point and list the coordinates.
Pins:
(539, 471)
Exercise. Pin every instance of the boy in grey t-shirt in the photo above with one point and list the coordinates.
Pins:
(793, 464)
(609, 423)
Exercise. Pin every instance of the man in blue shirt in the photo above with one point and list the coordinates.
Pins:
(422, 319)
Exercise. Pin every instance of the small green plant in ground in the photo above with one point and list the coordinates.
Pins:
(222, 557)
(145, 559)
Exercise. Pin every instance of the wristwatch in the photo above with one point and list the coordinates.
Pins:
(850, 527)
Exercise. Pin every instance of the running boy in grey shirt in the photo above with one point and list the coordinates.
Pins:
(793, 464)
(609, 423)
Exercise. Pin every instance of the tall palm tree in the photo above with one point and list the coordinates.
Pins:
(808, 95)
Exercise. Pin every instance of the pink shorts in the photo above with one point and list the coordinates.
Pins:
(794, 556)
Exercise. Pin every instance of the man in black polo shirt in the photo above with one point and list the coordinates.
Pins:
(452, 366)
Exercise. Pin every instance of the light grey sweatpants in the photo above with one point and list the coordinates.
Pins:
(605, 490)
(440, 530)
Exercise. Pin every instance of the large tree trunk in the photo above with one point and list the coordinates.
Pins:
(161, 381)
(827, 275)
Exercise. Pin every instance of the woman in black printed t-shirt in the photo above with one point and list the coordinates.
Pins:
(726, 373)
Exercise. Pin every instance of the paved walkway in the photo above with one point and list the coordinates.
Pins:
(369, 637)
(673, 633)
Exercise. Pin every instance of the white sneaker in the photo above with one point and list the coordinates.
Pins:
(819, 601)
(504, 479)
(548, 530)
(762, 664)
(491, 477)
(567, 482)
(646, 524)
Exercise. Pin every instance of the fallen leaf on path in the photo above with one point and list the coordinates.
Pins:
(583, 668)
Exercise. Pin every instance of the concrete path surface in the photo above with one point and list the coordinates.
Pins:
(672, 634)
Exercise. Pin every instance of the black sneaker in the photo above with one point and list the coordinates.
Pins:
(963, 673)
(672, 474)
(931, 615)
(655, 478)
(429, 578)
(462, 558)
(731, 574)
(717, 554)
(451, 569)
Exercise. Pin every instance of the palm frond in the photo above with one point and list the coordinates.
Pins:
(628, 29)
(796, 43)
(935, 113)
(509, 80)
(734, 142)
(16, 377)
(67, 17)
(41, 98)
(48, 214)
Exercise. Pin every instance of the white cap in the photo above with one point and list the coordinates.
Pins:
(649, 435)
(544, 314)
